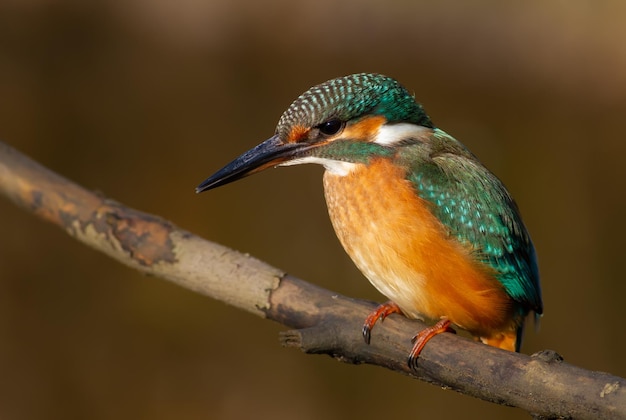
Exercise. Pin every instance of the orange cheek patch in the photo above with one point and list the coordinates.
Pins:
(365, 129)
(298, 132)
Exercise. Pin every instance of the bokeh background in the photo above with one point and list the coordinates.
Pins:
(143, 99)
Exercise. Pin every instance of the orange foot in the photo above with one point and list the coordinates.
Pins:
(420, 340)
(381, 313)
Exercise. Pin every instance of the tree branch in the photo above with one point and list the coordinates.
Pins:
(326, 322)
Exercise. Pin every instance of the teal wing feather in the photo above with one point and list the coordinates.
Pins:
(477, 209)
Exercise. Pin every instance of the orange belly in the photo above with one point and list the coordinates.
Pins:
(407, 254)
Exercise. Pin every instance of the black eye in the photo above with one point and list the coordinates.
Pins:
(330, 127)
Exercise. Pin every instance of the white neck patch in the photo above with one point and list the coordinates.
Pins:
(335, 167)
(388, 135)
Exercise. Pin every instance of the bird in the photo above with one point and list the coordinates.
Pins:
(420, 216)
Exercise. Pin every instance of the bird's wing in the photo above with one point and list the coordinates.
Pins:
(477, 210)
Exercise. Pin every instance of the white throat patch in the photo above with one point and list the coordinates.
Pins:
(335, 167)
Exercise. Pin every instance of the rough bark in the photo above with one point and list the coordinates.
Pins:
(324, 322)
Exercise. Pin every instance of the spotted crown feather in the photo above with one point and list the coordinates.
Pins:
(352, 96)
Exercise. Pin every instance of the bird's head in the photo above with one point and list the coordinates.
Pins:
(337, 124)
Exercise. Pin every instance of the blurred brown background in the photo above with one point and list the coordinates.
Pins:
(143, 99)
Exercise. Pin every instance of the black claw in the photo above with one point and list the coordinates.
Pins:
(412, 362)
(367, 334)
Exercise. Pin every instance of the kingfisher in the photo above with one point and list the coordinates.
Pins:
(429, 226)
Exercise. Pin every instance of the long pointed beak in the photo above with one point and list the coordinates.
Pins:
(271, 152)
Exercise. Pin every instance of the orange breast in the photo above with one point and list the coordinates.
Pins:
(407, 254)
